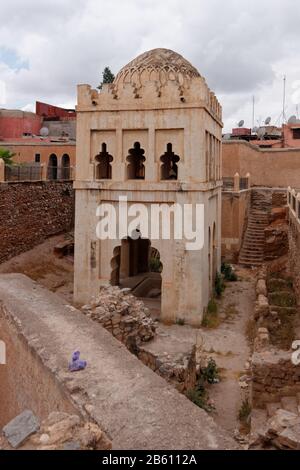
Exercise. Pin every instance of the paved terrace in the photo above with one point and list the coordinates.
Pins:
(133, 405)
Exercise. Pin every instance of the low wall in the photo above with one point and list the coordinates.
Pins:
(135, 407)
(294, 252)
(24, 381)
(30, 212)
(271, 168)
(235, 207)
(274, 376)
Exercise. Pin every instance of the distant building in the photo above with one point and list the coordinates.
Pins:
(265, 137)
(46, 137)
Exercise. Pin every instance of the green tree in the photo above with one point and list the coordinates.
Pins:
(7, 156)
(107, 77)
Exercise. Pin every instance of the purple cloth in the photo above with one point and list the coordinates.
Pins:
(76, 363)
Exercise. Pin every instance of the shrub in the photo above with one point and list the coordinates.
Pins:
(199, 397)
(210, 373)
(211, 318)
(219, 285)
(228, 273)
(155, 265)
(245, 411)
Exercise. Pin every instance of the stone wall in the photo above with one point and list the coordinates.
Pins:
(32, 211)
(294, 253)
(267, 167)
(273, 373)
(274, 376)
(235, 208)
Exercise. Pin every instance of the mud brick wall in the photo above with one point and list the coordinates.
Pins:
(294, 253)
(279, 199)
(273, 377)
(32, 211)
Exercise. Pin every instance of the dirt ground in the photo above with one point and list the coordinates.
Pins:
(41, 265)
(227, 343)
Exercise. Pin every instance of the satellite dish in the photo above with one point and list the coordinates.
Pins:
(44, 132)
(227, 137)
(261, 132)
(254, 130)
(268, 120)
(241, 123)
(292, 120)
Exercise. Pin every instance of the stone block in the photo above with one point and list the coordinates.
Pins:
(20, 428)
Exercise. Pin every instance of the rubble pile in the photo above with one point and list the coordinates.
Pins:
(59, 431)
(123, 315)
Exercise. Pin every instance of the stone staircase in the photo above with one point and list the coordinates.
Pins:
(252, 251)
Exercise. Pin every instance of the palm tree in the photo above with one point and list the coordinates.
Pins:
(7, 156)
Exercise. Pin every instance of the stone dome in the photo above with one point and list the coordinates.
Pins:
(158, 65)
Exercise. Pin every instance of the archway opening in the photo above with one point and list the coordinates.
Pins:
(136, 265)
(65, 167)
(169, 168)
(103, 165)
(52, 167)
(136, 159)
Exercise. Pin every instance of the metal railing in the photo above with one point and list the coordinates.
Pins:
(293, 200)
(60, 173)
(23, 172)
(228, 184)
(236, 183)
(37, 173)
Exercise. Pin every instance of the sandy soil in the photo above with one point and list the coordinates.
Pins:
(41, 265)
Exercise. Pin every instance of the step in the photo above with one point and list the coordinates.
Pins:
(272, 408)
(290, 404)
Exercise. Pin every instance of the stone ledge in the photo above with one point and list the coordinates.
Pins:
(135, 407)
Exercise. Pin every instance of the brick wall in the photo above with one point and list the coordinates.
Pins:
(32, 211)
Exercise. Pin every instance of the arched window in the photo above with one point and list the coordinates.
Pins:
(169, 168)
(103, 166)
(135, 159)
(52, 167)
(65, 167)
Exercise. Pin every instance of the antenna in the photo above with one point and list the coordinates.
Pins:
(241, 123)
(253, 110)
(283, 103)
(268, 120)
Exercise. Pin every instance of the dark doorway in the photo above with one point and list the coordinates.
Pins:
(65, 167)
(52, 167)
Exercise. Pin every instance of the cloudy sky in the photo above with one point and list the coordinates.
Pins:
(243, 49)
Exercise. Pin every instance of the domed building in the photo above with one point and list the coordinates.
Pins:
(150, 143)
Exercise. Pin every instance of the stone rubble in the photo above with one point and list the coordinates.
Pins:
(123, 315)
(59, 431)
(282, 431)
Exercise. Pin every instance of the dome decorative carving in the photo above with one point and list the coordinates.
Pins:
(159, 66)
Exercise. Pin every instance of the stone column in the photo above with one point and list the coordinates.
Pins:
(2, 170)
(236, 182)
(249, 180)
